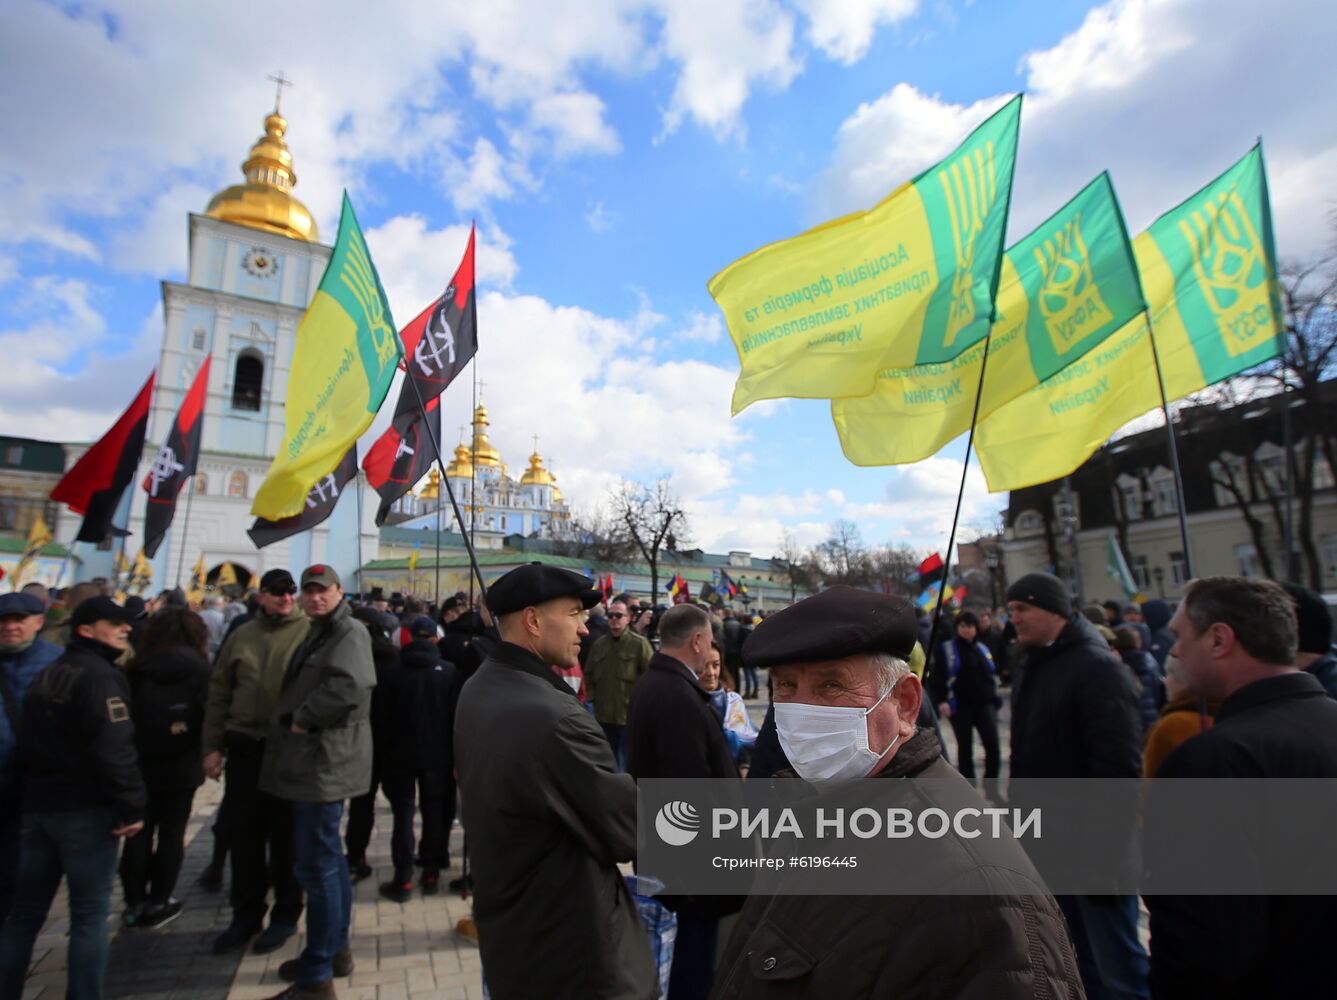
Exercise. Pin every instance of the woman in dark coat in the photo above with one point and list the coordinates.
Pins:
(169, 682)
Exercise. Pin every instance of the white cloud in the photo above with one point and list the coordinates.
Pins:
(889, 140)
(154, 245)
(598, 218)
(1164, 95)
(919, 501)
(724, 48)
(843, 29)
(702, 328)
(9, 269)
(59, 378)
(575, 123)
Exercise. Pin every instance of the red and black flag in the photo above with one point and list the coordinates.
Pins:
(320, 501)
(728, 585)
(96, 483)
(440, 341)
(174, 465)
(931, 570)
(399, 458)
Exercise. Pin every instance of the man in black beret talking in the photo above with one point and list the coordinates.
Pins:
(846, 703)
(549, 816)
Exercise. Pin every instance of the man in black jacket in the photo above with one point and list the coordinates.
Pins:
(673, 733)
(1236, 640)
(1074, 715)
(548, 816)
(415, 753)
(82, 790)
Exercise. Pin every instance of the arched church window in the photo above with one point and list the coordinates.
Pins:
(236, 484)
(247, 380)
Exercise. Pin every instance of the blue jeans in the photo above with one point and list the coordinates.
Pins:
(79, 845)
(1110, 955)
(322, 870)
(615, 734)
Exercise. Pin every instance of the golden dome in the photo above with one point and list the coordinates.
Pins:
(461, 467)
(483, 453)
(265, 201)
(536, 474)
(432, 491)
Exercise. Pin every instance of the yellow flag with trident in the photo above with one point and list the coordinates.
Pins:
(39, 536)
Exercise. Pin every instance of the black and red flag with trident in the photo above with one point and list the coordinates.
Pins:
(96, 483)
(174, 465)
(440, 341)
(320, 501)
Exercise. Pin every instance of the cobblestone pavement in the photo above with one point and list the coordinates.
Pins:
(400, 951)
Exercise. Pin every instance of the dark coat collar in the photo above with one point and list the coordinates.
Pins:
(508, 654)
(675, 666)
(1283, 687)
(915, 754)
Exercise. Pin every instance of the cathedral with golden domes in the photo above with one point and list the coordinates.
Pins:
(254, 261)
(489, 498)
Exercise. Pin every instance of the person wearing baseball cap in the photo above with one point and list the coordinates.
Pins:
(243, 692)
(317, 756)
(549, 817)
(22, 657)
(82, 790)
(846, 704)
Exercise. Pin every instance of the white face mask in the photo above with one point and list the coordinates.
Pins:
(828, 743)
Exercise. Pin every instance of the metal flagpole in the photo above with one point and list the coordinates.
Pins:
(1288, 446)
(357, 481)
(436, 586)
(473, 470)
(956, 515)
(185, 527)
(441, 465)
(1174, 449)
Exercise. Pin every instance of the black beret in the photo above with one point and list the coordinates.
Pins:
(526, 586)
(836, 623)
(1044, 591)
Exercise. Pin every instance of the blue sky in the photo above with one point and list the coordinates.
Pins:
(616, 154)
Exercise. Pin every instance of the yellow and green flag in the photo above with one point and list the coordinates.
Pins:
(1208, 275)
(345, 358)
(39, 536)
(910, 281)
(1065, 287)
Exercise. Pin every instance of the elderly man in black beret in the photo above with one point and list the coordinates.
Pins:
(549, 817)
(845, 708)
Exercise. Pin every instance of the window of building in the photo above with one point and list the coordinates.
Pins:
(1246, 557)
(201, 483)
(247, 382)
(1141, 573)
(1029, 523)
(1130, 495)
(1322, 473)
(1164, 497)
(1228, 468)
(14, 454)
(1272, 468)
(1178, 571)
(1327, 551)
(236, 484)
(197, 338)
(9, 514)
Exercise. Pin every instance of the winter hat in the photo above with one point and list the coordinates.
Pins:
(1044, 591)
(1314, 617)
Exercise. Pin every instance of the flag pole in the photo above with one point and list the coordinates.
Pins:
(185, 527)
(473, 468)
(441, 466)
(357, 482)
(436, 584)
(1174, 449)
(956, 514)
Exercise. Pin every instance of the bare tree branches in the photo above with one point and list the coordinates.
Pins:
(648, 520)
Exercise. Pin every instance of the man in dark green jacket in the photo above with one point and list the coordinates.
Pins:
(318, 754)
(243, 691)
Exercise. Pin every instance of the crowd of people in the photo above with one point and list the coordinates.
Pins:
(534, 713)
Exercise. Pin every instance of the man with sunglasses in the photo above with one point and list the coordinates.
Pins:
(243, 693)
(616, 661)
